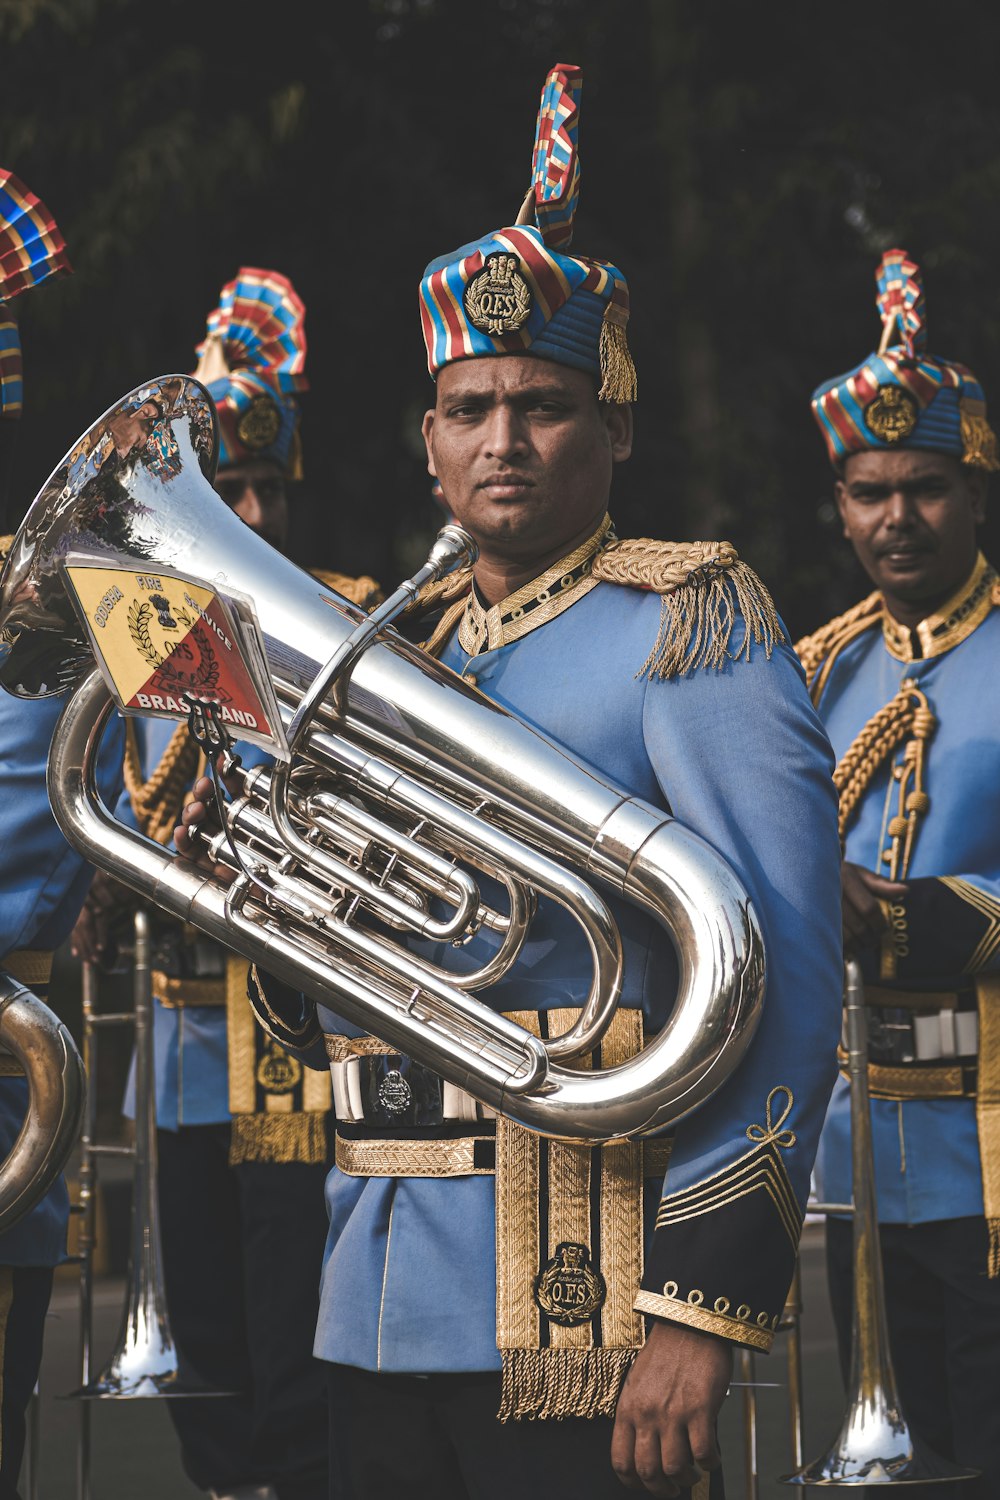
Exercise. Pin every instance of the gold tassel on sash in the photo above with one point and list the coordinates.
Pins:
(988, 1109)
(569, 1255)
(279, 1107)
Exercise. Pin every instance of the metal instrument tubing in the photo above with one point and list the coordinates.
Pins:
(420, 717)
(341, 873)
(746, 1365)
(453, 548)
(703, 1041)
(403, 795)
(57, 1090)
(500, 1047)
(513, 927)
(328, 811)
(875, 1445)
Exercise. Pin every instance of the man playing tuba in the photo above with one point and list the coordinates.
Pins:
(487, 1292)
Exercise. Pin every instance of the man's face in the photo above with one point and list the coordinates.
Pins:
(911, 518)
(255, 490)
(524, 451)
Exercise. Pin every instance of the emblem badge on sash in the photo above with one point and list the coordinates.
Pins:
(278, 1073)
(498, 299)
(394, 1093)
(569, 1290)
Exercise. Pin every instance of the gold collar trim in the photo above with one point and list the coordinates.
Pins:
(535, 603)
(952, 624)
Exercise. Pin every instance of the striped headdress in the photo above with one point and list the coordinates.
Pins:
(31, 250)
(517, 290)
(252, 359)
(901, 396)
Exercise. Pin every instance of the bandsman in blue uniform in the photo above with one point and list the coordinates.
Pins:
(905, 683)
(452, 1369)
(42, 886)
(42, 880)
(242, 1127)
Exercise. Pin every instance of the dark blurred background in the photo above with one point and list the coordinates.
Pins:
(745, 164)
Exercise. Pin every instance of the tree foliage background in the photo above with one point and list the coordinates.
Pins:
(745, 165)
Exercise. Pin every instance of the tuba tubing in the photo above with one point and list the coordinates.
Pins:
(671, 872)
(57, 1090)
(403, 733)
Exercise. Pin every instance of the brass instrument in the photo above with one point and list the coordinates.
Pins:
(56, 1092)
(875, 1445)
(145, 1361)
(400, 769)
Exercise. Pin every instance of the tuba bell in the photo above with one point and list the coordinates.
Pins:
(409, 800)
(43, 1047)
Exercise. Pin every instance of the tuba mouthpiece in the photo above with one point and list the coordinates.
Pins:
(453, 548)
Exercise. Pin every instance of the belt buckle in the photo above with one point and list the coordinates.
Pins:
(891, 1039)
(396, 1091)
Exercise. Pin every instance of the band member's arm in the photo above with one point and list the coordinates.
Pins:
(728, 1226)
(43, 880)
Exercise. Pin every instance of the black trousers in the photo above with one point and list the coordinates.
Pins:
(436, 1437)
(242, 1253)
(24, 1293)
(944, 1333)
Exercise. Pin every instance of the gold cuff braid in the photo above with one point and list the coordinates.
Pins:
(737, 1330)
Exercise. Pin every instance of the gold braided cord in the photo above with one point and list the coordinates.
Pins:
(439, 636)
(904, 715)
(157, 802)
(826, 643)
(662, 567)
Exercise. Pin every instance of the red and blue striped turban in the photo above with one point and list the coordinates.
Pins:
(252, 360)
(901, 396)
(517, 290)
(31, 250)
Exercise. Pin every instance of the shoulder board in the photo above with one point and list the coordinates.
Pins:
(703, 588)
(364, 590)
(813, 650)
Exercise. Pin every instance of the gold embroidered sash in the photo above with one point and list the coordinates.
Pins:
(569, 1255)
(278, 1106)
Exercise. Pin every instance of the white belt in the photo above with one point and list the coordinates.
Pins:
(946, 1033)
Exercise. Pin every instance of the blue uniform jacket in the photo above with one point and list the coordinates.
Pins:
(43, 883)
(926, 1150)
(739, 755)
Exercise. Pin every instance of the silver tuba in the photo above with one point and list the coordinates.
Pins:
(45, 1050)
(410, 799)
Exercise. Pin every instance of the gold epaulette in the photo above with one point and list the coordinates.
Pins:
(364, 590)
(703, 588)
(830, 639)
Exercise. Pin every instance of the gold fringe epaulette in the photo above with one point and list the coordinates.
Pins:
(364, 590)
(704, 587)
(830, 639)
